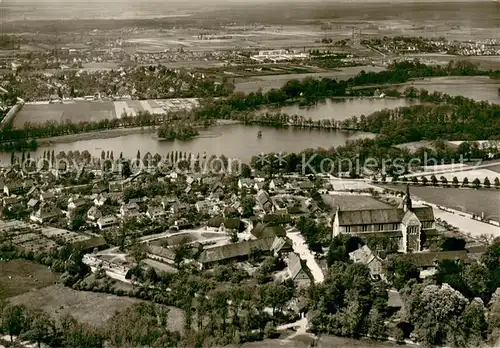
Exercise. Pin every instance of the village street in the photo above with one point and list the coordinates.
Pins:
(300, 247)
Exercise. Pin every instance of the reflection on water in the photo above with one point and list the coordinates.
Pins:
(341, 109)
(234, 140)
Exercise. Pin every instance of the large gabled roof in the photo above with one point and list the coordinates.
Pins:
(369, 217)
(427, 259)
(262, 231)
(230, 251)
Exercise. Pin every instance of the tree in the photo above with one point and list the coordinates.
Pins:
(434, 311)
(491, 257)
(477, 278)
(486, 182)
(41, 327)
(453, 244)
(376, 325)
(247, 204)
(474, 325)
(444, 181)
(476, 183)
(401, 271)
(14, 320)
(151, 275)
(337, 251)
(424, 180)
(138, 251)
(125, 169)
(434, 180)
(78, 335)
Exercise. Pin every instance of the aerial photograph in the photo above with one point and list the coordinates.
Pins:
(249, 173)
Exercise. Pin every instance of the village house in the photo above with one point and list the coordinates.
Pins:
(190, 180)
(230, 212)
(168, 202)
(281, 246)
(203, 207)
(34, 192)
(229, 224)
(179, 208)
(427, 262)
(265, 231)
(47, 196)
(374, 263)
(116, 186)
(305, 185)
(264, 201)
(276, 219)
(237, 205)
(93, 214)
(101, 199)
(76, 202)
(108, 221)
(233, 252)
(46, 213)
(259, 185)
(155, 212)
(33, 203)
(13, 188)
(182, 224)
(99, 187)
(245, 183)
(276, 184)
(217, 190)
(298, 271)
(8, 201)
(406, 225)
(129, 210)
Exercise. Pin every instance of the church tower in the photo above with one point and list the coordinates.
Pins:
(407, 200)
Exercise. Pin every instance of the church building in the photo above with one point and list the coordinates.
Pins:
(408, 226)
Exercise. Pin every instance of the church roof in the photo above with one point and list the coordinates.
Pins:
(369, 217)
(424, 213)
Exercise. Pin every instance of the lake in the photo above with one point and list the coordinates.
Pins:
(341, 109)
(234, 141)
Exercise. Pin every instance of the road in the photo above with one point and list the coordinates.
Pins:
(301, 248)
(467, 225)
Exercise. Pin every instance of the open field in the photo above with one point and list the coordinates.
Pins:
(88, 307)
(94, 111)
(476, 87)
(466, 200)
(252, 84)
(20, 276)
(74, 112)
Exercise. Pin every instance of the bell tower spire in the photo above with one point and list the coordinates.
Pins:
(407, 204)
